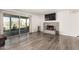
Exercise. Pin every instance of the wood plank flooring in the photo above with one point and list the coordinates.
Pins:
(41, 41)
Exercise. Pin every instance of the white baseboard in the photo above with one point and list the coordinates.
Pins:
(68, 35)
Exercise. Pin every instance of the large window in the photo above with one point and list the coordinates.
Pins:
(14, 25)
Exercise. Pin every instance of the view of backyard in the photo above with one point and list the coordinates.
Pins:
(14, 25)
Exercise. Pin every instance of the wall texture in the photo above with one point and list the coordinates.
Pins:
(68, 23)
(1, 22)
(35, 22)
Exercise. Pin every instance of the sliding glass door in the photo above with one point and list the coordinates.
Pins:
(6, 23)
(23, 25)
(28, 24)
(14, 25)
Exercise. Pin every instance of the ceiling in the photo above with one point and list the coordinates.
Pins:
(38, 11)
(43, 11)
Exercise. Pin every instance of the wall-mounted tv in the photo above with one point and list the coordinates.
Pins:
(51, 16)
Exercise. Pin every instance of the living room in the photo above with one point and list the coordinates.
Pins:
(54, 25)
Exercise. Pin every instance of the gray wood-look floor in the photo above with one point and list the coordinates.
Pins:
(41, 41)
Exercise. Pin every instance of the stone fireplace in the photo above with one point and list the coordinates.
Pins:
(50, 27)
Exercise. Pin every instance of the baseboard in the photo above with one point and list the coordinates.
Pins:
(68, 35)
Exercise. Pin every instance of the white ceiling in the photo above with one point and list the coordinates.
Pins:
(43, 11)
(38, 11)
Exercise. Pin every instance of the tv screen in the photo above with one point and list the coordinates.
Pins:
(51, 16)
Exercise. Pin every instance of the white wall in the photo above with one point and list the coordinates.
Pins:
(68, 22)
(77, 24)
(42, 19)
(1, 23)
(35, 22)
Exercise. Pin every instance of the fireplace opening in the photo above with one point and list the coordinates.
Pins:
(50, 27)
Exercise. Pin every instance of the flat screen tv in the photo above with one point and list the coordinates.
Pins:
(51, 16)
